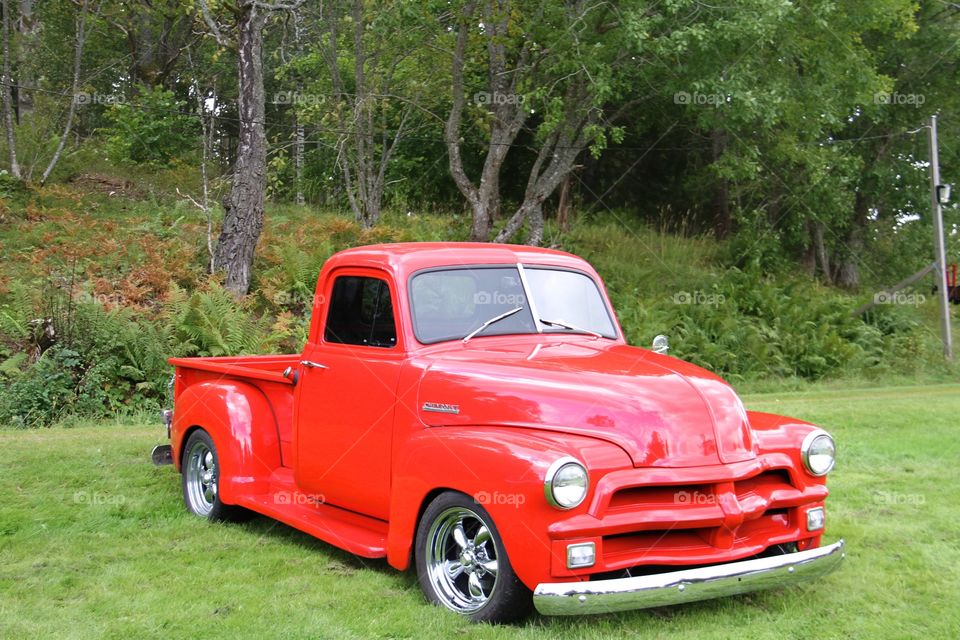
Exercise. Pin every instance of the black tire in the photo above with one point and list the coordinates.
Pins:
(200, 479)
(474, 579)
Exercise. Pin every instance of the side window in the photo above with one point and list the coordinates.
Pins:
(361, 312)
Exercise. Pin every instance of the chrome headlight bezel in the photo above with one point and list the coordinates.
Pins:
(808, 445)
(552, 472)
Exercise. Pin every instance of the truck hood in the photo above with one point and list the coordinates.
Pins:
(661, 411)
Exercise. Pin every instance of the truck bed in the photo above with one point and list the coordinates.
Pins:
(263, 372)
(269, 368)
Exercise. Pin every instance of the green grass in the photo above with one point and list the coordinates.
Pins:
(95, 542)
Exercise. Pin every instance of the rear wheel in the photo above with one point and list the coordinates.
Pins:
(462, 563)
(200, 475)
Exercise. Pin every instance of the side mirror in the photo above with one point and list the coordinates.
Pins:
(661, 344)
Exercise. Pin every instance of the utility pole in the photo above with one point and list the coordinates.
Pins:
(939, 242)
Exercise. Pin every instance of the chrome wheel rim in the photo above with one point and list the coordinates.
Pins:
(462, 560)
(201, 476)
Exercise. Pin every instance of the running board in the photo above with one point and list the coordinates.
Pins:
(360, 535)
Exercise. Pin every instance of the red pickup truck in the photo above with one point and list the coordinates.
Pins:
(473, 411)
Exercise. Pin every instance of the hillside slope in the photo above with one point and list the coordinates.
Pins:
(103, 278)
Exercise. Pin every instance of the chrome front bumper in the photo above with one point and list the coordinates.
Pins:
(690, 585)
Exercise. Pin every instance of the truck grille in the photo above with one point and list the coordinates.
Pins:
(693, 523)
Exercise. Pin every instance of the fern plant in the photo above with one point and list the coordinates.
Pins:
(210, 322)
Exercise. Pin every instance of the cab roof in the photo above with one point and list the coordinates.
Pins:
(405, 258)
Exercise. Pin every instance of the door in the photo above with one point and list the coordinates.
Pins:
(347, 390)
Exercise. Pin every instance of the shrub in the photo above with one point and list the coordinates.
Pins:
(42, 394)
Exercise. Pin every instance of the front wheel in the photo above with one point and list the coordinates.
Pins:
(462, 563)
(200, 472)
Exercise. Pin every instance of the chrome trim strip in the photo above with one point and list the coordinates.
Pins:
(530, 303)
(691, 585)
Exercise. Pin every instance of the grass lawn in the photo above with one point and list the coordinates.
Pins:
(95, 542)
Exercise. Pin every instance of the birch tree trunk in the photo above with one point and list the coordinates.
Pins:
(298, 141)
(79, 41)
(26, 29)
(298, 144)
(243, 203)
(7, 82)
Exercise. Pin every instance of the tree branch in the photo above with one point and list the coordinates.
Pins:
(212, 25)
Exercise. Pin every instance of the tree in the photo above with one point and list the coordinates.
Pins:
(769, 103)
(508, 115)
(892, 189)
(364, 82)
(364, 144)
(547, 70)
(243, 203)
(81, 32)
(157, 33)
(80, 39)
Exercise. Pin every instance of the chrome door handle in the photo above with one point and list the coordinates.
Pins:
(313, 365)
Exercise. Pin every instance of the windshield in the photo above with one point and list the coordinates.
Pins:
(451, 304)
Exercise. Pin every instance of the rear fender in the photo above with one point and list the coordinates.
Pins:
(239, 418)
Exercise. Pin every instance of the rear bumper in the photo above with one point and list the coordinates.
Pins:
(690, 585)
(162, 454)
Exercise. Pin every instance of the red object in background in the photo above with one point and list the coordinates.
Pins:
(392, 436)
(953, 291)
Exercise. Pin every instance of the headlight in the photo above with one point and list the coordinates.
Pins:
(818, 452)
(566, 483)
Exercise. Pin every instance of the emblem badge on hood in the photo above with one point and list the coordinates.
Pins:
(439, 407)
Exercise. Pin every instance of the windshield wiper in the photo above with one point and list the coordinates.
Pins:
(566, 325)
(505, 314)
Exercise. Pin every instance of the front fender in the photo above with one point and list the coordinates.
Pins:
(782, 436)
(503, 470)
(228, 411)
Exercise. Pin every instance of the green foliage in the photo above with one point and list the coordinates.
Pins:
(108, 361)
(137, 296)
(14, 317)
(115, 361)
(103, 363)
(755, 325)
(749, 323)
(9, 186)
(151, 129)
(211, 322)
(43, 394)
(279, 176)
